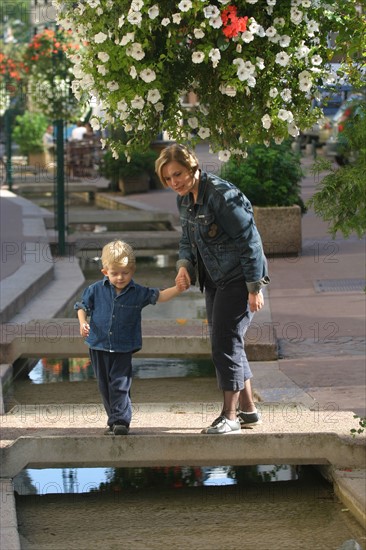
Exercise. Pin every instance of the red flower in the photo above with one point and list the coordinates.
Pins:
(232, 24)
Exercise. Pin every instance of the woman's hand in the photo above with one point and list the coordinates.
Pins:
(256, 301)
(183, 280)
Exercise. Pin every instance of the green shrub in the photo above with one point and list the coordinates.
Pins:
(28, 132)
(269, 176)
(114, 169)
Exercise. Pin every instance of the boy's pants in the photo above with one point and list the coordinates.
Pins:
(113, 371)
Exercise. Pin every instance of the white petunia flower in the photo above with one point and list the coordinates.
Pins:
(148, 75)
(305, 81)
(215, 22)
(133, 72)
(153, 12)
(135, 51)
(251, 81)
(215, 56)
(165, 22)
(284, 41)
(316, 60)
(292, 129)
(278, 140)
(122, 105)
(279, 21)
(100, 38)
(302, 51)
(153, 96)
(211, 12)
(286, 95)
(193, 122)
(273, 92)
(136, 5)
(260, 63)
(138, 102)
(271, 31)
(135, 18)
(224, 155)
(94, 123)
(198, 33)
(198, 57)
(253, 27)
(285, 115)
(127, 38)
(296, 16)
(112, 85)
(247, 36)
(177, 18)
(306, 3)
(185, 5)
(282, 58)
(227, 90)
(121, 21)
(313, 27)
(159, 107)
(266, 122)
(204, 133)
(103, 56)
(102, 69)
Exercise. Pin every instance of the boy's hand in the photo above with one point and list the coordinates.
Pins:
(84, 329)
(182, 280)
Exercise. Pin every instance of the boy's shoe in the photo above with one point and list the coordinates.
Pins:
(249, 419)
(120, 429)
(223, 425)
(109, 430)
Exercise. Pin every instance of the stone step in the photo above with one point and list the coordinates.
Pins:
(45, 436)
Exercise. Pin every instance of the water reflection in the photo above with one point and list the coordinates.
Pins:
(84, 480)
(49, 370)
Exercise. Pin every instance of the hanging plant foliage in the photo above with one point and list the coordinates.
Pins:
(255, 66)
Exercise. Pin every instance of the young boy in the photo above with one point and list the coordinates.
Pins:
(114, 305)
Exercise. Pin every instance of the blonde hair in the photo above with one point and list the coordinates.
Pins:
(118, 253)
(178, 153)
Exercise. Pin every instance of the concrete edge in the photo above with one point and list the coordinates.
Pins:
(9, 535)
(349, 487)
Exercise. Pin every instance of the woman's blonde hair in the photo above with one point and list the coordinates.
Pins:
(178, 153)
(118, 253)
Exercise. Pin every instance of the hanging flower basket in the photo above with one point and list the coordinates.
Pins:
(50, 73)
(255, 66)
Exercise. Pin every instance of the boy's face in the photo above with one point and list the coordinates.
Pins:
(119, 276)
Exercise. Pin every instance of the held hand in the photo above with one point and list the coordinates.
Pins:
(183, 280)
(84, 330)
(256, 301)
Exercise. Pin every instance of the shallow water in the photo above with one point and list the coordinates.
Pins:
(293, 515)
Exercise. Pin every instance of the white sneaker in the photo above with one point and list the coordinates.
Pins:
(223, 425)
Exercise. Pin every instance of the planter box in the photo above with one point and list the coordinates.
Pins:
(280, 229)
(134, 184)
(42, 161)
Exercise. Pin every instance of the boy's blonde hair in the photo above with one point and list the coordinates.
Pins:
(118, 253)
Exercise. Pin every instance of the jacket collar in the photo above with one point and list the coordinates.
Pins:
(187, 200)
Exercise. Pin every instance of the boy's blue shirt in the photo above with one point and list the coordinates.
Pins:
(115, 320)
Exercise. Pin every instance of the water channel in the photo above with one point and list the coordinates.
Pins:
(265, 507)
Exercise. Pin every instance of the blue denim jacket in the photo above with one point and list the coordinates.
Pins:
(221, 227)
(115, 320)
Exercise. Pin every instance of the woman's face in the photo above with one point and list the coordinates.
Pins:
(179, 178)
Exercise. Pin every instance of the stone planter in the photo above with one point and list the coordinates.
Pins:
(134, 184)
(280, 229)
(42, 161)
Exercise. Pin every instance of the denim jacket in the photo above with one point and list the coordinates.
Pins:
(220, 226)
(115, 319)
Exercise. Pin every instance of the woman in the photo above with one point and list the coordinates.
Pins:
(221, 244)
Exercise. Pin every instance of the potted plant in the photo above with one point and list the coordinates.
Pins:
(134, 175)
(270, 178)
(28, 135)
